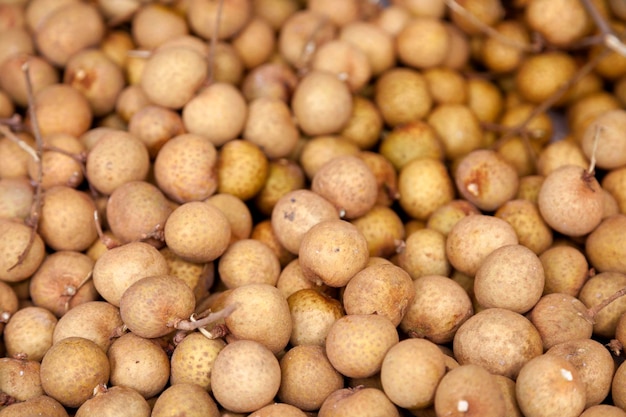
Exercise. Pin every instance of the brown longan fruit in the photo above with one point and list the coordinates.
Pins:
(275, 12)
(530, 79)
(272, 79)
(15, 240)
(556, 154)
(411, 371)
(503, 57)
(603, 410)
(153, 24)
(237, 213)
(532, 231)
(374, 41)
(154, 126)
(570, 200)
(13, 82)
(29, 331)
(486, 12)
(439, 308)
(312, 313)
(245, 376)
(422, 43)
(497, 339)
(62, 109)
(332, 252)
(345, 60)
(255, 42)
(484, 99)
(120, 267)
(604, 247)
(604, 128)
(187, 399)
(321, 103)
(248, 261)
(356, 344)
(218, 112)
(383, 229)
(117, 399)
(365, 124)
(270, 125)
(511, 266)
(595, 290)
(362, 401)
(424, 185)
(402, 96)
(410, 141)
(202, 17)
(307, 377)
(458, 128)
(60, 165)
(560, 22)
(20, 379)
(116, 45)
(386, 177)
(185, 168)
(583, 111)
(241, 169)
(284, 410)
(446, 85)
(42, 404)
(130, 100)
(301, 33)
(318, 150)
(613, 182)
(424, 253)
(198, 232)
(68, 30)
(72, 368)
(193, 359)
(296, 212)
(138, 363)
(469, 390)
(117, 158)
(566, 270)
(263, 232)
(283, 176)
(66, 220)
(549, 385)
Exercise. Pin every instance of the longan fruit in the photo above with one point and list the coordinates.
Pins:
(560, 22)
(486, 12)
(422, 43)
(594, 291)
(502, 57)
(312, 313)
(362, 401)
(383, 229)
(248, 261)
(187, 399)
(153, 24)
(29, 331)
(424, 253)
(273, 80)
(62, 109)
(302, 30)
(532, 231)
(458, 128)
(263, 232)
(603, 410)
(154, 126)
(345, 60)
(14, 239)
(321, 103)
(604, 247)
(424, 185)
(365, 124)
(386, 177)
(270, 125)
(237, 213)
(497, 339)
(566, 270)
(439, 308)
(318, 150)
(58, 165)
(530, 79)
(116, 399)
(446, 85)
(275, 12)
(410, 141)
(613, 182)
(484, 99)
(20, 379)
(583, 111)
(218, 112)
(12, 80)
(241, 169)
(193, 359)
(556, 154)
(42, 404)
(402, 96)
(283, 176)
(609, 151)
(202, 17)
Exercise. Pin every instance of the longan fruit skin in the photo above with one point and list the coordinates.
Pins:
(603, 410)
(560, 22)
(458, 128)
(410, 141)
(56, 105)
(115, 400)
(42, 74)
(532, 231)
(594, 291)
(29, 331)
(237, 212)
(365, 124)
(20, 378)
(424, 185)
(185, 399)
(566, 270)
(283, 176)
(312, 314)
(402, 96)
(153, 24)
(424, 253)
(361, 401)
(611, 147)
(201, 17)
(383, 229)
(154, 126)
(270, 126)
(422, 43)
(242, 168)
(530, 78)
(248, 261)
(193, 358)
(377, 44)
(14, 238)
(607, 238)
(41, 405)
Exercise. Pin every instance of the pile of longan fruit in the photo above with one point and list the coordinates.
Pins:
(328, 208)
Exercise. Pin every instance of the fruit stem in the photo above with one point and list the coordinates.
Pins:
(596, 139)
(193, 324)
(214, 37)
(593, 311)
(608, 36)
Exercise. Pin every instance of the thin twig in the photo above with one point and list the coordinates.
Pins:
(214, 36)
(608, 35)
(19, 142)
(593, 311)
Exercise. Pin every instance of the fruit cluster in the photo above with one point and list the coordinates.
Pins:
(326, 208)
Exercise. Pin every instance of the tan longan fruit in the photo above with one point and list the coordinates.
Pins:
(62, 109)
(446, 85)
(529, 186)
(439, 308)
(583, 111)
(245, 376)
(520, 154)
(386, 177)
(594, 364)
(263, 232)
(393, 18)
(383, 229)
(384, 289)
(469, 390)
(113, 401)
(130, 100)
(202, 17)
(29, 331)
(312, 313)
(458, 128)
(411, 371)
(570, 200)
(566, 270)
(274, 409)
(275, 12)
(198, 232)
(154, 126)
(549, 385)
(9, 304)
(348, 183)
(608, 152)
(361, 401)
(241, 169)
(272, 80)
(12, 80)
(20, 379)
(497, 339)
(62, 282)
(93, 320)
(595, 290)
(603, 410)
(270, 125)
(424, 185)
(261, 314)
(38, 10)
(556, 154)
(12, 15)
(357, 344)
(72, 368)
(307, 377)
(332, 252)
(248, 261)
(424, 253)
(42, 404)
(138, 363)
(531, 229)
(485, 179)
(153, 24)
(503, 57)
(614, 182)
(604, 247)
(283, 176)
(345, 60)
(402, 96)
(410, 141)
(446, 215)
(172, 76)
(296, 212)
(364, 127)
(321, 103)
(255, 42)
(15, 238)
(422, 43)
(116, 45)
(120, 267)
(302, 30)
(530, 79)
(68, 30)
(66, 220)
(218, 112)
(237, 213)
(59, 164)
(193, 359)
(617, 387)
(117, 158)
(560, 22)
(199, 277)
(511, 266)
(484, 99)
(185, 399)
(486, 12)
(318, 150)
(374, 41)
